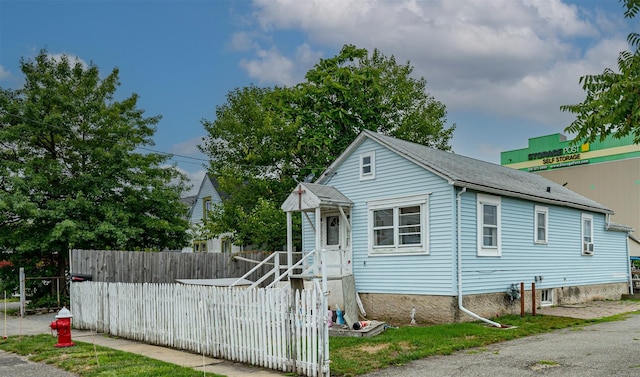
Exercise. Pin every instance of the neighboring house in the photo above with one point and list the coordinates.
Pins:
(208, 195)
(419, 228)
(189, 201)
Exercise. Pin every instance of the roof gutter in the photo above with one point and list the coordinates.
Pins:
(459, 252)
(497, 191)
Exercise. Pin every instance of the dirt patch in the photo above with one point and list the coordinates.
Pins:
(373, 348)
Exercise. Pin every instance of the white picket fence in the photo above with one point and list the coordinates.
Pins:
(258, 326)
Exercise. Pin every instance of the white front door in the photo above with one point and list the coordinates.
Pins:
(336, 239)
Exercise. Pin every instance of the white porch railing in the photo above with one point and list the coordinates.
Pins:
(309, 266)
(270, 328)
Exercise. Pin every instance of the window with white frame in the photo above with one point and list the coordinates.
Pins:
(225, 245)
(398, 225)
(587, 234)
(332, 230)
(546, 297)
(200, 246)
(206, 207)
(540, 224)
(489, 228)
(368, 165)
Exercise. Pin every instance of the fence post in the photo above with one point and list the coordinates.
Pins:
(323, 315)
(533, 299)
(22, 292)
(522, 299)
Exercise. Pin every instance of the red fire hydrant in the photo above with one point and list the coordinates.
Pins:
(62, 324)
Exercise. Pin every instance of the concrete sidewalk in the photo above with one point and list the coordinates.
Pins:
(39, 324)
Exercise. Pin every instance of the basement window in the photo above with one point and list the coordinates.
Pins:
(546, 297)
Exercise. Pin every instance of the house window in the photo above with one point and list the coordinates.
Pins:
(546, 297)
(540, 224)
(587, 234)
(206, 207)
(333, 230)
(200, 246)
(398, 225)
(367, 166)
(489, 229)
(225, 245)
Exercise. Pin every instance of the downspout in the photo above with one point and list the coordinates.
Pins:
(459, 251)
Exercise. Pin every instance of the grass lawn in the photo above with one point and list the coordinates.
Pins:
(84, 360)
(349, 356)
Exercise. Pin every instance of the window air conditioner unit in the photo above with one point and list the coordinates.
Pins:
(587, 248)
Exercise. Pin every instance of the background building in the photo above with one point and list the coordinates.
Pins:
(200, 205)
(606, 171)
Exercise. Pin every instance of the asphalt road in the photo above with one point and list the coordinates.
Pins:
(606, 349)
(18, 366)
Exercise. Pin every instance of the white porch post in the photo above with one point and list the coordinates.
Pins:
(289, 242)
(316, 259)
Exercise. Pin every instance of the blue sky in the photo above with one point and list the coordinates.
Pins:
(502, 67)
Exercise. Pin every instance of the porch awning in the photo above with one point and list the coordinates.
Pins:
(309, 196)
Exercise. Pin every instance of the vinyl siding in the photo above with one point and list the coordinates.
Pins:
(560, 262)
(206, 190)
(308, 234)
(397, 177)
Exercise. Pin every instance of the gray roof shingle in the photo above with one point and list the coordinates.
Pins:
(487, 177)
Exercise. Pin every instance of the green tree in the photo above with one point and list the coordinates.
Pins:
(70, 176)
(265, 140)
(612, 103)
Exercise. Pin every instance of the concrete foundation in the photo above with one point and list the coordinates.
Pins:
(396, 309)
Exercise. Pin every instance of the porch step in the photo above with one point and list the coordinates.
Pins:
(311, 276)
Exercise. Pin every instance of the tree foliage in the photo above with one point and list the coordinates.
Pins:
(612, 103)
(265, 140)
(70, 176)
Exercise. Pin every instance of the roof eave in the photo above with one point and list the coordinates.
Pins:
(535, 198)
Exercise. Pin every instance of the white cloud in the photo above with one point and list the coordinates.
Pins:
(73, 59)
(502, 57)
(4, 74)
(306, 56)
(270, 66)
(188, 147)
(241, 41)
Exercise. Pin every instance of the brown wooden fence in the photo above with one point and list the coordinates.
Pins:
(163, 267)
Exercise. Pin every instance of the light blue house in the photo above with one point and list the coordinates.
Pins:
(208, 195)
(447, 235)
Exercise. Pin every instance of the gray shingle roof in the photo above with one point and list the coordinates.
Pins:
(487, 177)
(328, 194)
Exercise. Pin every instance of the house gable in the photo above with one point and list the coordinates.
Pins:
(398, 183)
(206, 192)
(208, 196)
